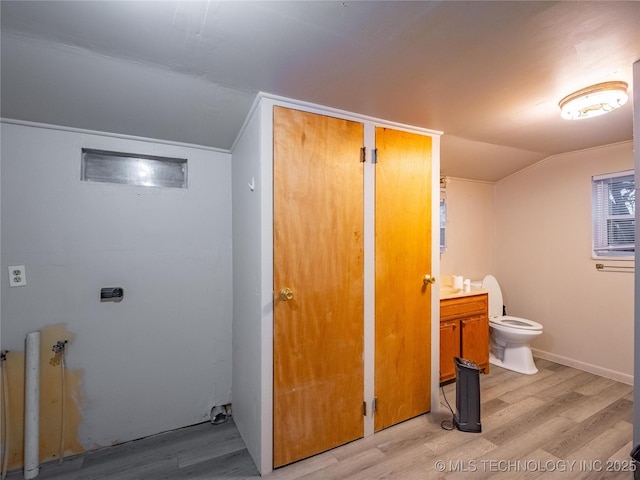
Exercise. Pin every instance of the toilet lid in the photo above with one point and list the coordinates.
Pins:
(490, 284)
(516, 322)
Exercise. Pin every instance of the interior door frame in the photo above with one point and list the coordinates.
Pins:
(263, 106)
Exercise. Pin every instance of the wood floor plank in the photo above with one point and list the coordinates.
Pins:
(412, 463)
(237, 465)
(509, 382)
(446, 441)
(304, 467)
(543, 363)
(590, 428)
(451, 459)
(531, 418)
(348, 466)
(597, 385)
(530, 439)
(622, 463)
(158, 468)
(592, 458)
(389, 439)
(533, 465)
(216, 449)
(588, 406)
(569, 385)
(540, 383)
(69, 470)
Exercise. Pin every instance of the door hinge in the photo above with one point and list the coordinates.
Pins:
(374, 155)
(374, 405)
(364, 409)
(363, 154)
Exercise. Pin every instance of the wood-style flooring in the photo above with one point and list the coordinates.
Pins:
(561, 423)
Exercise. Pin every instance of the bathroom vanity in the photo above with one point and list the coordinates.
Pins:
(464, 329)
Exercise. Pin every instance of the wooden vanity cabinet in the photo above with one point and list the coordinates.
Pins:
(464, 332)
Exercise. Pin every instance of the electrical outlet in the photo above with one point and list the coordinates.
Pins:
(17, 276)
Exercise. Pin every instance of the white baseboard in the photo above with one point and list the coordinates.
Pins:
(587, 367)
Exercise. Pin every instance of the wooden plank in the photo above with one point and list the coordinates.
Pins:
(590, 428)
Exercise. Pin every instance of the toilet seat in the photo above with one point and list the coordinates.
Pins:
(515, 322)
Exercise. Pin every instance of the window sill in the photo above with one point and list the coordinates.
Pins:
(630, 260)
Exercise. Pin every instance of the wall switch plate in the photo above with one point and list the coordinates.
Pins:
(17, 276)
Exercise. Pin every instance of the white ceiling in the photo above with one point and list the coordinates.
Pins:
(488, 74)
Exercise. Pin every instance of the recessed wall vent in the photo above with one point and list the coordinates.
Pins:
(133, 169)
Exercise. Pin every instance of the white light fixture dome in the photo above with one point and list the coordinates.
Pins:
(594, 100)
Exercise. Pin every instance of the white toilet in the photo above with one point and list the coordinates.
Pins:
(509, 336)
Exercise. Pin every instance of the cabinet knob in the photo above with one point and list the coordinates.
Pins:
(428, 279)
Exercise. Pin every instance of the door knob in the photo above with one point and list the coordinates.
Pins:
(286, 294)
(427, 279)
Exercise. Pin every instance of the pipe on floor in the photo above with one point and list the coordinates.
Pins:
(32, 407)
(63, 367)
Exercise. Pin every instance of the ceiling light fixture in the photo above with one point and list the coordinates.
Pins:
(594, 100)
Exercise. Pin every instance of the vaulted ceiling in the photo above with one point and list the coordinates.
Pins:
(488, 74)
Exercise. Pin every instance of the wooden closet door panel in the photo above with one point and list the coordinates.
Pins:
(318, 254)
(403, 257)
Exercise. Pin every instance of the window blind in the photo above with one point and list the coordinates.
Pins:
(613, 197)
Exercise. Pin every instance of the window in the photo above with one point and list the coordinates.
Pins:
(132, 169)
(614, 210)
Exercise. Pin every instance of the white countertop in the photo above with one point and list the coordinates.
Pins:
(447, 292)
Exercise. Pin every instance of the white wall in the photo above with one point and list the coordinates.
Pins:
(161, 358)
(252, 308)
(470, 229)
(545, 269)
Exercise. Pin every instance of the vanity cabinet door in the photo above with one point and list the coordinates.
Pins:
(475, 340)
(449, 348)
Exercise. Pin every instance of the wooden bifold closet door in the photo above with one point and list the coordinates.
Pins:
(318, 283)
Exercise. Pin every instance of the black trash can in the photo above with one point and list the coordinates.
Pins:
(467, 418)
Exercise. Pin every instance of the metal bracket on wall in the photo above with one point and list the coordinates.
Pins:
(602, 267)
(111, 294)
